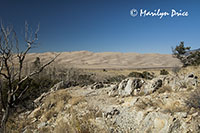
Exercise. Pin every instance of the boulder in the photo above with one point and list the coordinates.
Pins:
(129, 86)
(152, 86)
(125, 87)
(113, 90)
(110, 112)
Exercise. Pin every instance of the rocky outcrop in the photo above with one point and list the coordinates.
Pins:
(181, 82)
(134, 105)
(140, 86)
(136, 86)
(130, 86)
(97, 85)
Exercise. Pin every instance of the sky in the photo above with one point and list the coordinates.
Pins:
(105, 25)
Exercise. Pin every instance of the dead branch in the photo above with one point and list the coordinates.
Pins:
(34, 73)
(8, 39)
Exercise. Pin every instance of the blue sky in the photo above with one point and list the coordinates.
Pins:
(104, 25)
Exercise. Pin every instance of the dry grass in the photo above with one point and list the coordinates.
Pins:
(77, 123)
(168, 105)
(193, 99)
(52, 104)
(125, 72)
(63, 127)
(164, 89)
(76, 100)
(146, 103)
(174, 106)
(191, 69)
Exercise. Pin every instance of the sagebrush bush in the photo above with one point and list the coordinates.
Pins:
(164, 72)
(136, 75)
(114, 79)
(145, 75)
(164, 89)
(194, 100)
(176, 69)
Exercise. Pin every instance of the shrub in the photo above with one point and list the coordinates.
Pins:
(145, 75)
(176, 69)
(37, 86)
(104, 70)
(194, 100)
(76, 76)
(164, 72)
(85, 79)
(164, 89)
(136, 75)
(40, 86)
(114, 79)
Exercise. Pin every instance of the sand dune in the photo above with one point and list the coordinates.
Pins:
(86, 59)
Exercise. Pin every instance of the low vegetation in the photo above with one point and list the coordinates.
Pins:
(144, 74)
(193, 100)
(115, 79)
(164, 72)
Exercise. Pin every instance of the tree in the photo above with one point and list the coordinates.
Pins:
(186, 56)
(180, 51)
(37, 63)
(12, 66)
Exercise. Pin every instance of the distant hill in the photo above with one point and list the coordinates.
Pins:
(113, 60)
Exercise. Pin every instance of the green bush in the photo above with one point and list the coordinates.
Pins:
(37, 86)
(164, 72)
(136, 75)
(115, 79)
(85, 79)
(145, 75)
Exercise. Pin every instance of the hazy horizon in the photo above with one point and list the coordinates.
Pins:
(32, 52)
